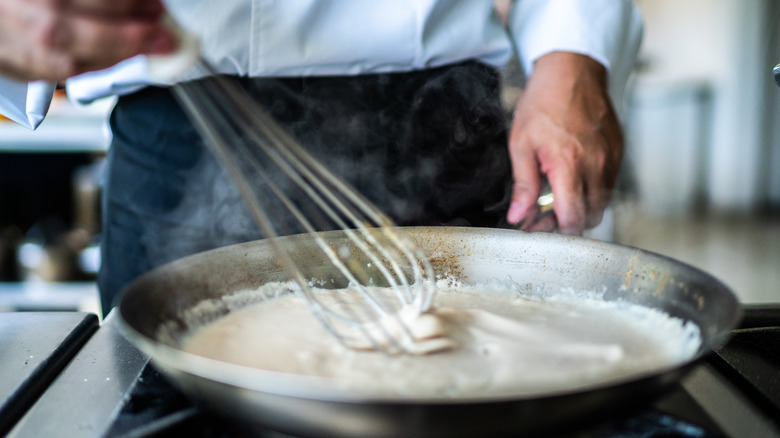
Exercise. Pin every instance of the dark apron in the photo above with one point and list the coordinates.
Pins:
(427, 147)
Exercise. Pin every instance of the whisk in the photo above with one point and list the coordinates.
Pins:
(288, 191)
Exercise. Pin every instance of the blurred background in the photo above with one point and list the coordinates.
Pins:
(700, 183)
(702, 120)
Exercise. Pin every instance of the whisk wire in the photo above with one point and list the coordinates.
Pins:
(209, 123)
(309, 175)
(312, 180)
(246, 140)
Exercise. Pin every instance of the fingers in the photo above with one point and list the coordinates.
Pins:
(566, 130)
(56, 39)
(84, 36)
(546, 224)
(527, 181)
(538, 150)
(570, 192)
(598, 192)
(581, 172)
(119, 8)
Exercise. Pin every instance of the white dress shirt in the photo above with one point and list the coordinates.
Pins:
(262, 38)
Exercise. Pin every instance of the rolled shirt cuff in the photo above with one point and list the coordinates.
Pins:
(609, 31)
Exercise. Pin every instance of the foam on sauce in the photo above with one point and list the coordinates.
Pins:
(508, 343)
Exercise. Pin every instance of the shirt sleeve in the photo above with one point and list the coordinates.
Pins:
(609, 31)
(26, 103)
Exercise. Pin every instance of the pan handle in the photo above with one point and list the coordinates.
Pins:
(776, 74)
(760, 315)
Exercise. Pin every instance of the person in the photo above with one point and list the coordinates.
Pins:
(400, 97)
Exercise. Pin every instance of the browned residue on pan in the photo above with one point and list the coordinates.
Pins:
(442, 253)
(448, 265)
(661, 283)
(630, 271)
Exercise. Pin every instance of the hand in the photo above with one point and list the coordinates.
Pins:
(55, 39)
(566, 129)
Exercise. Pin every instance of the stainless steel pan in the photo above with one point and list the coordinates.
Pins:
(312, 407)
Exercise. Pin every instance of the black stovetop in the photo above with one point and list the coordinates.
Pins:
(748, 365)
(733, 392)
(157, 409)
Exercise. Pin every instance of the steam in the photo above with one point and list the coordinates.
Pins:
(427, 147)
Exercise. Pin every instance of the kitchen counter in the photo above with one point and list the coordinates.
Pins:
(35, 348)
(89, 392)
(57, 135)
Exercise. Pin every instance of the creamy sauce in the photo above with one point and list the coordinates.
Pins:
(507, 343)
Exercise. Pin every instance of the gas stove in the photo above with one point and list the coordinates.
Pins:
(93, 383)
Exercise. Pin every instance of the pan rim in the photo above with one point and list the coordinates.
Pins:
(319, 388)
